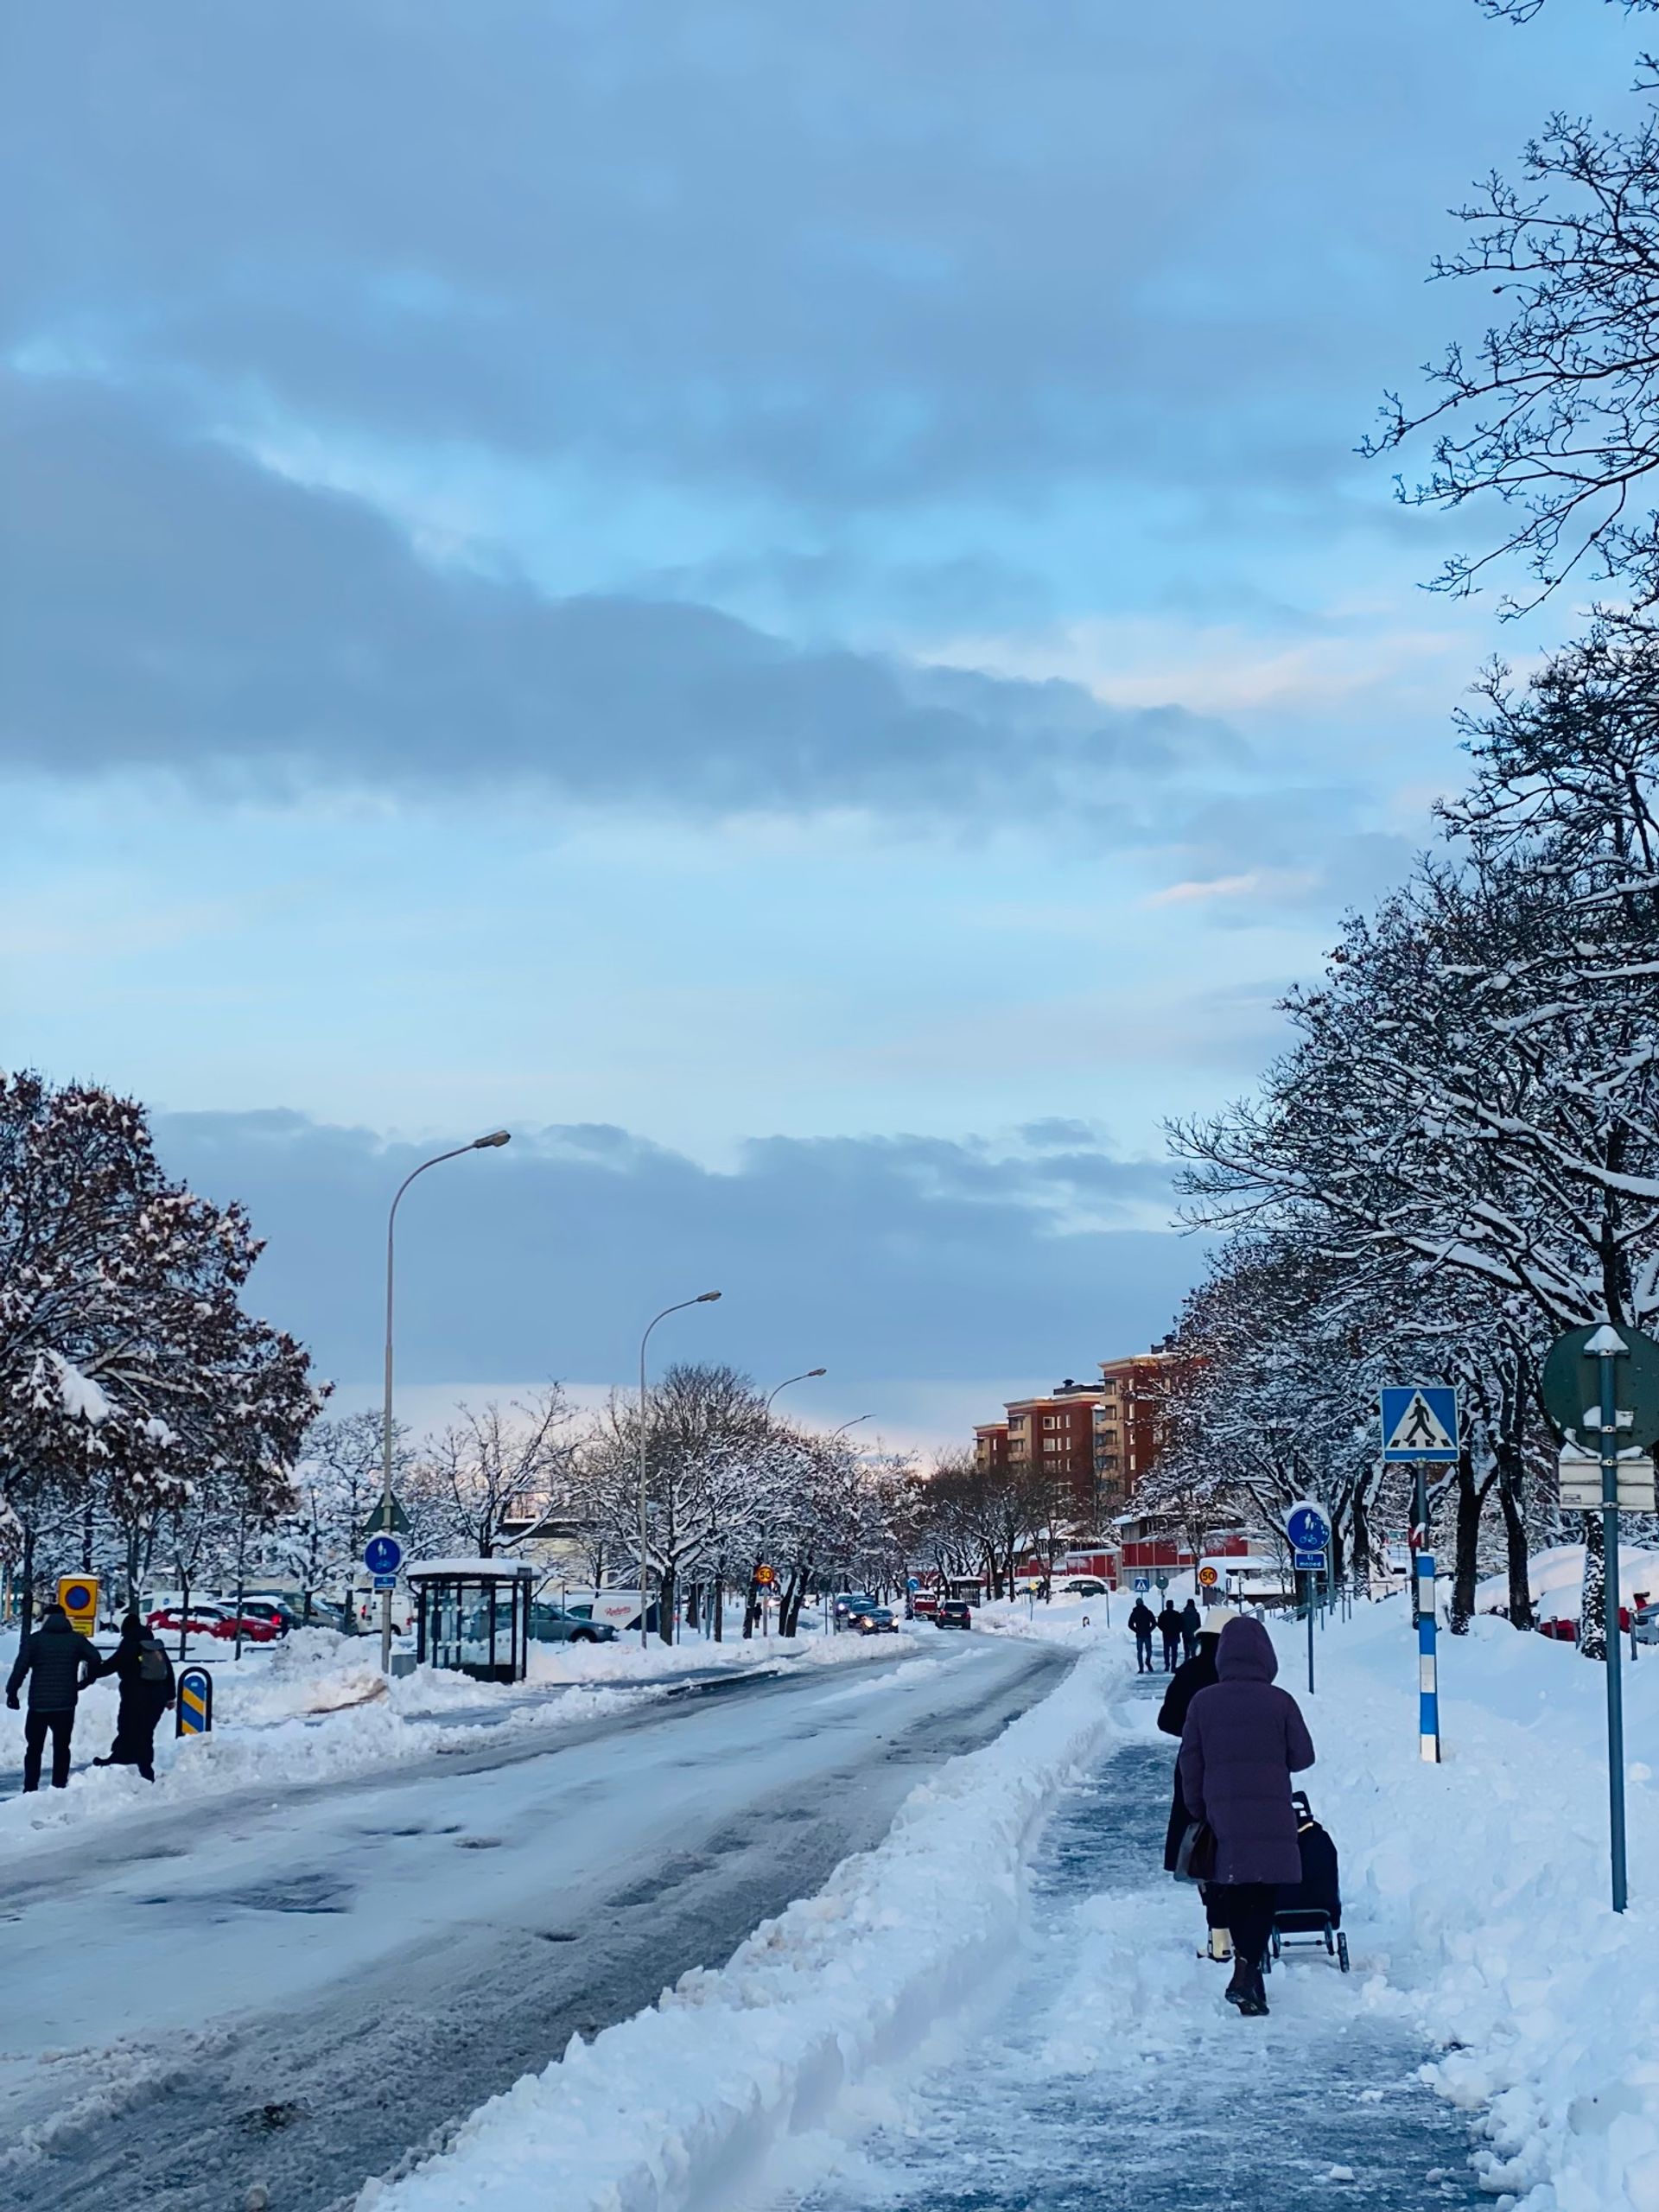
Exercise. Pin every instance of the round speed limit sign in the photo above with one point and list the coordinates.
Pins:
(1207, 1578)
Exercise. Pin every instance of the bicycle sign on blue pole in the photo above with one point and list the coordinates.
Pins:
(1308, 1526)
(383, 1555)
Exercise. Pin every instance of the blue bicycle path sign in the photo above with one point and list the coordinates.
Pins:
(383, 1555)
(1307, 1527)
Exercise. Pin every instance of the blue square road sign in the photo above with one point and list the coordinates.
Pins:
(1420, 1423)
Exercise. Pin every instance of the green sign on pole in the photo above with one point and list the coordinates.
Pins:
(1601, 1390)
(382, 1523)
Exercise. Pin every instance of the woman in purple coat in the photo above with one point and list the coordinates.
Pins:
(1242, 1741)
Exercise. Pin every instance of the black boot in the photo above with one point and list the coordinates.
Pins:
(1255, 2006)
(1237, 1991)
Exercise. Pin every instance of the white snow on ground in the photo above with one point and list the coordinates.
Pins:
(1477, 1907)
(316, 1707)
(841, 1984)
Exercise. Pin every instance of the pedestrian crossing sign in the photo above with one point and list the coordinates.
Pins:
(1419, 1422)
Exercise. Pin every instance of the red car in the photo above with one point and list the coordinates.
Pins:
(256, 1627)
(201, 1620)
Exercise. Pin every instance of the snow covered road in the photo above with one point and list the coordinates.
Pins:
(306, 1991)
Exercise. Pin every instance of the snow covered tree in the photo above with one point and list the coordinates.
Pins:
(493, 1475)
(337, 1486)
(129, 1371)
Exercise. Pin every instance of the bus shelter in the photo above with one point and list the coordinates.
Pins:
(472, 1616)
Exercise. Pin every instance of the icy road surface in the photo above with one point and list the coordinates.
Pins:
(1112, 2077)
(305, 1991)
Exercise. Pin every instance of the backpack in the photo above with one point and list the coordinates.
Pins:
(153, 1666)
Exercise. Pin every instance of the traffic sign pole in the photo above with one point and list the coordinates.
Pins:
(1609, 1346)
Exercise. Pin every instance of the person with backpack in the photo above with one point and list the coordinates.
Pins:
(145, 1673)
(1192, 1626)
(58, 1663)
(1195, 1673)
(1143, 1621)
(1243, 1739)
(1169, 1622)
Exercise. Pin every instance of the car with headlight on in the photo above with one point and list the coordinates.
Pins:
(873, 1620)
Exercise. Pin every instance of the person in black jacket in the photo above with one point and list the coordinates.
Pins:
(57, 1664)
(1191, 1622)
(145, 1673)
(1142, 1620)
(1194, 1674)
(1169, 1622)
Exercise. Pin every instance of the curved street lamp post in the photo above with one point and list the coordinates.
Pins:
(490, 1142)
(805, 1378)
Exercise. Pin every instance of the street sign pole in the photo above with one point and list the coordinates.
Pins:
(1419, 1429)
(1312, 1587)
(1608, 1346)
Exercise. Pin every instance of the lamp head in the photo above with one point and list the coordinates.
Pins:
(490, 1143)
(707, 1297)
(815, 1370)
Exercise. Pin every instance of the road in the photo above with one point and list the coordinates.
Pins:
(306, 1993)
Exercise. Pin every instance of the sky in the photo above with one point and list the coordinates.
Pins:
(779, 599)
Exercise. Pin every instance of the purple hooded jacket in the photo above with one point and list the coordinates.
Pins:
(1242, 1741)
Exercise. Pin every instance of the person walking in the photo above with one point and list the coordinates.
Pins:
(145, 1673)
(1142, 1620)
(1195, 1673)
(57, 1664)
(1169, 1624)
(1243, 1739)
(1191, 1624)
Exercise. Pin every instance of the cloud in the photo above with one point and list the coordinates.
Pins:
(169, 603)
(882, 1258)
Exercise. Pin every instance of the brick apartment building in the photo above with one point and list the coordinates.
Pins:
(1095, 1441)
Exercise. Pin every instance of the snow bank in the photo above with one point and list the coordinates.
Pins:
(1476, 1891)
(1557, 1580)
(670, 2108)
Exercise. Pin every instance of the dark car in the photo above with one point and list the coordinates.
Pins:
(955, 1612)
(853, 1601)
(873, 1620)
(553, 1625)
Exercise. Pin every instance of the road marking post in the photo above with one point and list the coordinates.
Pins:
(195, 1696)
(1419, 1430)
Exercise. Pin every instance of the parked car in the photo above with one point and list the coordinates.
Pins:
(203, 1620)
(281, 1617)
(955, 1612)
(1085, 1585)
(252, 1627)
(873, 1620)
(554, 1624)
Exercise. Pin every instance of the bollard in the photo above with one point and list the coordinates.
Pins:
(1428, 1702)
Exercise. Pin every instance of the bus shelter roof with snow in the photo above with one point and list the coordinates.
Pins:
(472, 1616)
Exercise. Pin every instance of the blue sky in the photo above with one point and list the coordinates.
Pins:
(779, 598)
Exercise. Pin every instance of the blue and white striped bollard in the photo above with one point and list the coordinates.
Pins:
(1428, 1698)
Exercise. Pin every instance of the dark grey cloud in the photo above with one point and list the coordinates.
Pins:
(165, 602)
(885, 1258)
(850, 254)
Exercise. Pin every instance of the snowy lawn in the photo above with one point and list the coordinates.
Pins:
(1476, 1906)
(315, 1707)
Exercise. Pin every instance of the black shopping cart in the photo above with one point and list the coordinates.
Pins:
(1309, 1912)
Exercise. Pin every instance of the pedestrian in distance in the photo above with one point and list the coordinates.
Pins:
(1197, 1672)
(1243, 1739)
(1169, 1626)
(1192, 1627)
(1143, 1621)
(57, 1664)
(145, 1673)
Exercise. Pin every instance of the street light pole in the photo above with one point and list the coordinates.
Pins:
(704, 1298)
(489, 1143)
(788, 1380)
(846, 1425)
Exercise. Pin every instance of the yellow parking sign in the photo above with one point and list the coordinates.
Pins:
(78, 1595)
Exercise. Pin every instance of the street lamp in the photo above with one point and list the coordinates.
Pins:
(846, 1425)
(788, 1379)
(704, 1298)
(491, 1142)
